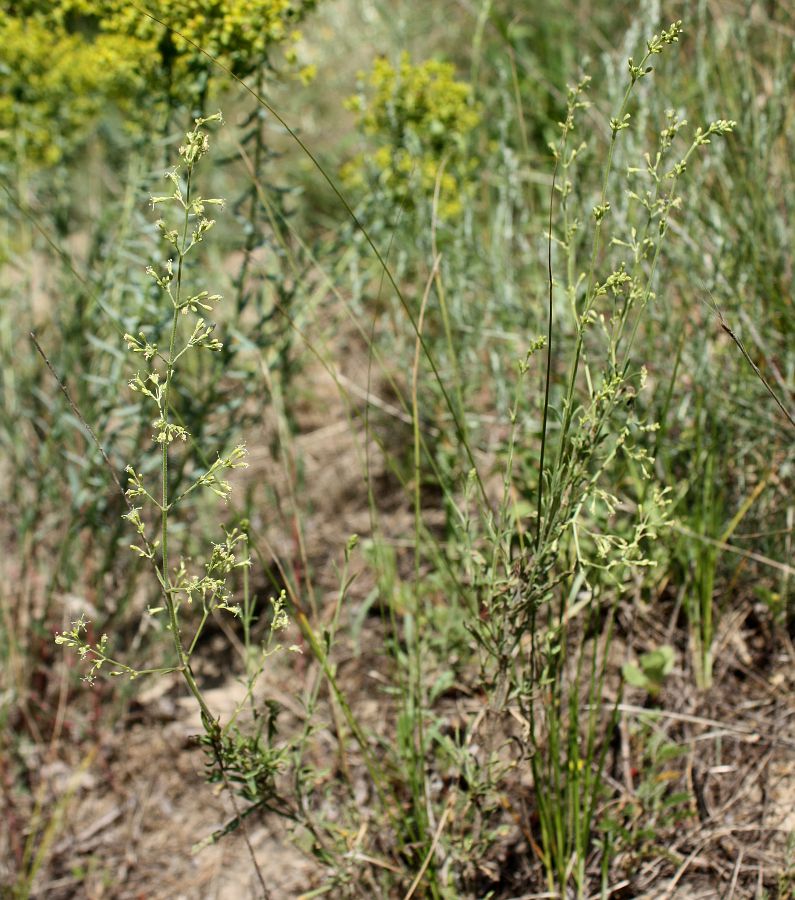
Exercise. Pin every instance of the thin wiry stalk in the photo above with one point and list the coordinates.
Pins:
(548, 376)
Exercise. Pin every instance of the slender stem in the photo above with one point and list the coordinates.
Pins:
(171, 606)
(548, 377)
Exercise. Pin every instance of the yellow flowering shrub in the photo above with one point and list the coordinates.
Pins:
(421, 118)
(64, 60)
(238, 32)
(54, 83)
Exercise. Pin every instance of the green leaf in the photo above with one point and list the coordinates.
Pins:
(633, 675)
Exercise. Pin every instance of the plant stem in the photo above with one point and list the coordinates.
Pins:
(171, 606)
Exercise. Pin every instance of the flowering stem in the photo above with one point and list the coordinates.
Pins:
(171, 606)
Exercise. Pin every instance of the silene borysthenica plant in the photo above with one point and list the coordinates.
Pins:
(548, 624)
(189, 598)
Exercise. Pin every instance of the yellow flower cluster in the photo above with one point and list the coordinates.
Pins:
(56, 83)
(238, 32)
(65, 59)
(423, 120)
